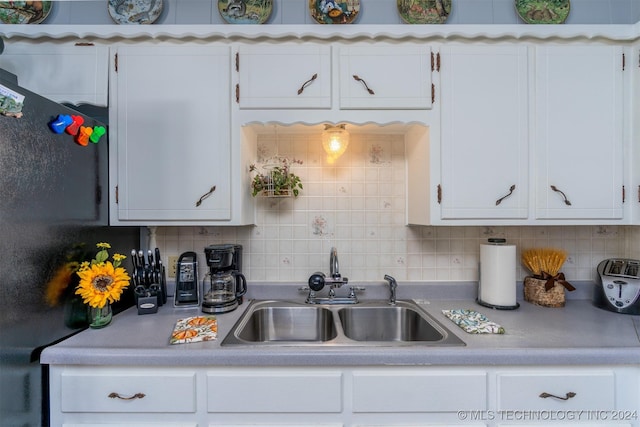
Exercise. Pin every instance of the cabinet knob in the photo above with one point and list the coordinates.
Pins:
(566, 396)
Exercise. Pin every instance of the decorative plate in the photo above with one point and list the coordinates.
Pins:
(543, 11)
(135, 11)
(424, 11)
(245, 11)
(24, 12)
(334, 11)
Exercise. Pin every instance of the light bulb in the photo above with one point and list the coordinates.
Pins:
(335, 140)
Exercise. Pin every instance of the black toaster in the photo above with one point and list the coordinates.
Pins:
(618, 288)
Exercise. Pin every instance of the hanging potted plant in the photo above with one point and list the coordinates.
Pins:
(276, 179)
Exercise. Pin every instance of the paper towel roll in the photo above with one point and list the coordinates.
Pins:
(498, 276)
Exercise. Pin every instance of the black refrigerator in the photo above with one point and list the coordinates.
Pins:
(53, 198)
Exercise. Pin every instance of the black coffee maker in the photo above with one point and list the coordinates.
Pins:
(224, 285)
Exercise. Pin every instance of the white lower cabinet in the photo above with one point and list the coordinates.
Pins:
(556, 391)
(344, 396)
(555, 396)
(418, 390)
(273, 391)
(129, 424)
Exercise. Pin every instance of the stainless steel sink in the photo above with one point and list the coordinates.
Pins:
(371, 323)
(269, 323)
(390, 323)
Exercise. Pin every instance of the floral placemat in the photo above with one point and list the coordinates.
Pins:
(195, 329)
(473, 322)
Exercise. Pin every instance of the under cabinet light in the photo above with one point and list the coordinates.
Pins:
(335, 140)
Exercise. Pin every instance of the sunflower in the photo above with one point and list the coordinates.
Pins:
(101, 283)
(59, 282)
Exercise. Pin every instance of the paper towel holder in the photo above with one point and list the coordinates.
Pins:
(515, 305)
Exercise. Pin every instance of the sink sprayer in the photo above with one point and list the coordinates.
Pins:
(392, 288)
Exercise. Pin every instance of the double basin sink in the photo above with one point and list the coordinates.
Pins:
(371, 323)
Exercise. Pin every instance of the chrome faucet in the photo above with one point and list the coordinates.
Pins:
(335, 280)
(334, 266)
(392, 288)
(318, 281)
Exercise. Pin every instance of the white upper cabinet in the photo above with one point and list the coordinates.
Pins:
(171, 160)
(579, 132)
(283, 76)
(333, 82)
(385, 77)
(484, 134)
(63, 72)
(634, 193)
(529, 135)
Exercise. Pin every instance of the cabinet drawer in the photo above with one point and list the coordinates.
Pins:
(269, 392)
(575, 391)
(115, 391)
(417, 391)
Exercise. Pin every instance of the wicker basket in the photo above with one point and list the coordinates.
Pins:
(535, 293)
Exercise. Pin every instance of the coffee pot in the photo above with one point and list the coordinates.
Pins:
(224, 285)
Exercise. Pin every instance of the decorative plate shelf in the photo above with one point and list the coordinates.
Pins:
(225, 32)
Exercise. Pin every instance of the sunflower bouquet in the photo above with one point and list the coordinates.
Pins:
(102, 281)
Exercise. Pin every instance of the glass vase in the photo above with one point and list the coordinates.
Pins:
(76, 314)
(100, 317)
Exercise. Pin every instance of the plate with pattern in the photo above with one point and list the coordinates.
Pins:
(245, 11)
(424, 11)
(543, 11)
(334, 11)
(135, 11)
(24, 12)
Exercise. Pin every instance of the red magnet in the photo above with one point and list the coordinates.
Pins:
(73, 128)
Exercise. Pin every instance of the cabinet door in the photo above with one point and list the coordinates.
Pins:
(579, 132)
(634, 194)
(171, 106)
(67, 72)
(284, 76)
(274, 391)
(385, 77)
(484, 146)
(418, 390)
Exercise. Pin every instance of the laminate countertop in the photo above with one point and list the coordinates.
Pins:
(577, 334)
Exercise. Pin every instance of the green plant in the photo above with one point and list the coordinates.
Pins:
(277, 180)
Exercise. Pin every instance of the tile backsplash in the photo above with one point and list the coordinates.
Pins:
(357, 205)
